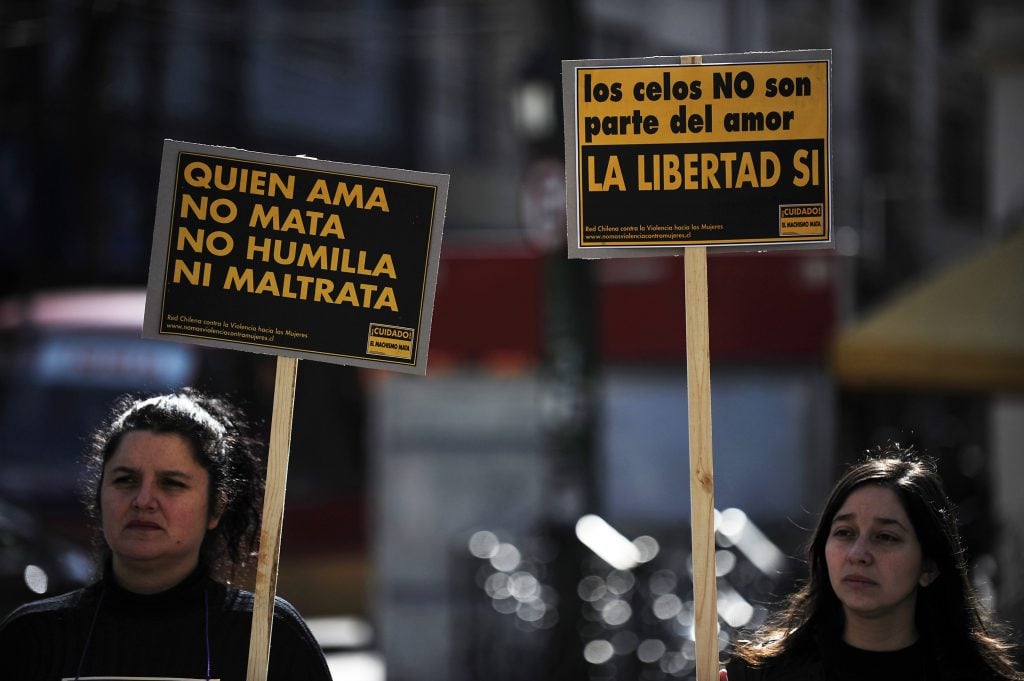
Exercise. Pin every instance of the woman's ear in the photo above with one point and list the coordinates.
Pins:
(929, 573)
(215, 515)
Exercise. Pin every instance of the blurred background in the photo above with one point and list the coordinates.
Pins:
(523, 511)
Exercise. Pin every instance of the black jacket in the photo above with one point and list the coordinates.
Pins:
(159, 635)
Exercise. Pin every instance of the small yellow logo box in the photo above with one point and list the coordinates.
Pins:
(801, 219)
(390, 341)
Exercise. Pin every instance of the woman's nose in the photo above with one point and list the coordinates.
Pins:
(144, 496)
(859, 552)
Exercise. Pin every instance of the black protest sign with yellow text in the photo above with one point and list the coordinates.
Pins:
(327, 261)
(671, 155)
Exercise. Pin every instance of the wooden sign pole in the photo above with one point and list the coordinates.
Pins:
(702, 479)
(273, 517)
(702, 476)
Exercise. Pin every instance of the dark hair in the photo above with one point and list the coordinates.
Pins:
(222, 445)
(948, 616)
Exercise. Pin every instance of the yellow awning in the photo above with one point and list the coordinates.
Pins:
(962, 329)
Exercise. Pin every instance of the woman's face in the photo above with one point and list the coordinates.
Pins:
(874, 558)
(154, 504)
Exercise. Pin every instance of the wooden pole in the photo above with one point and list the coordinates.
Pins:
(702, 479)
(273, 517)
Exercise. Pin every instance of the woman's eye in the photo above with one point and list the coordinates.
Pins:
(888, 538)
(842, 532)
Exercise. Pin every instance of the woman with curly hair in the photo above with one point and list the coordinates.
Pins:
(888, 595)
(175, 483)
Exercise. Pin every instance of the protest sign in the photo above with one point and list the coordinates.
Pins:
(731, 151)
(676, 155)
(301, 258)
(295, 256)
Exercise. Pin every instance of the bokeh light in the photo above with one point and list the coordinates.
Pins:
(598, 651)
(483, 544)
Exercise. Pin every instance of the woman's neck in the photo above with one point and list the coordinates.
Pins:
(144, 577)
(880, 635)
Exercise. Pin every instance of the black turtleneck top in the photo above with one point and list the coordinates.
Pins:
(105, 631)
(846, 663)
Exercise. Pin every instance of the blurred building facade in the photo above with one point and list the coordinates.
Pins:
(554, 390)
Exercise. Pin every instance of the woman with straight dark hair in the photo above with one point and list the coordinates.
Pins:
(176, 485)
(888, 596)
